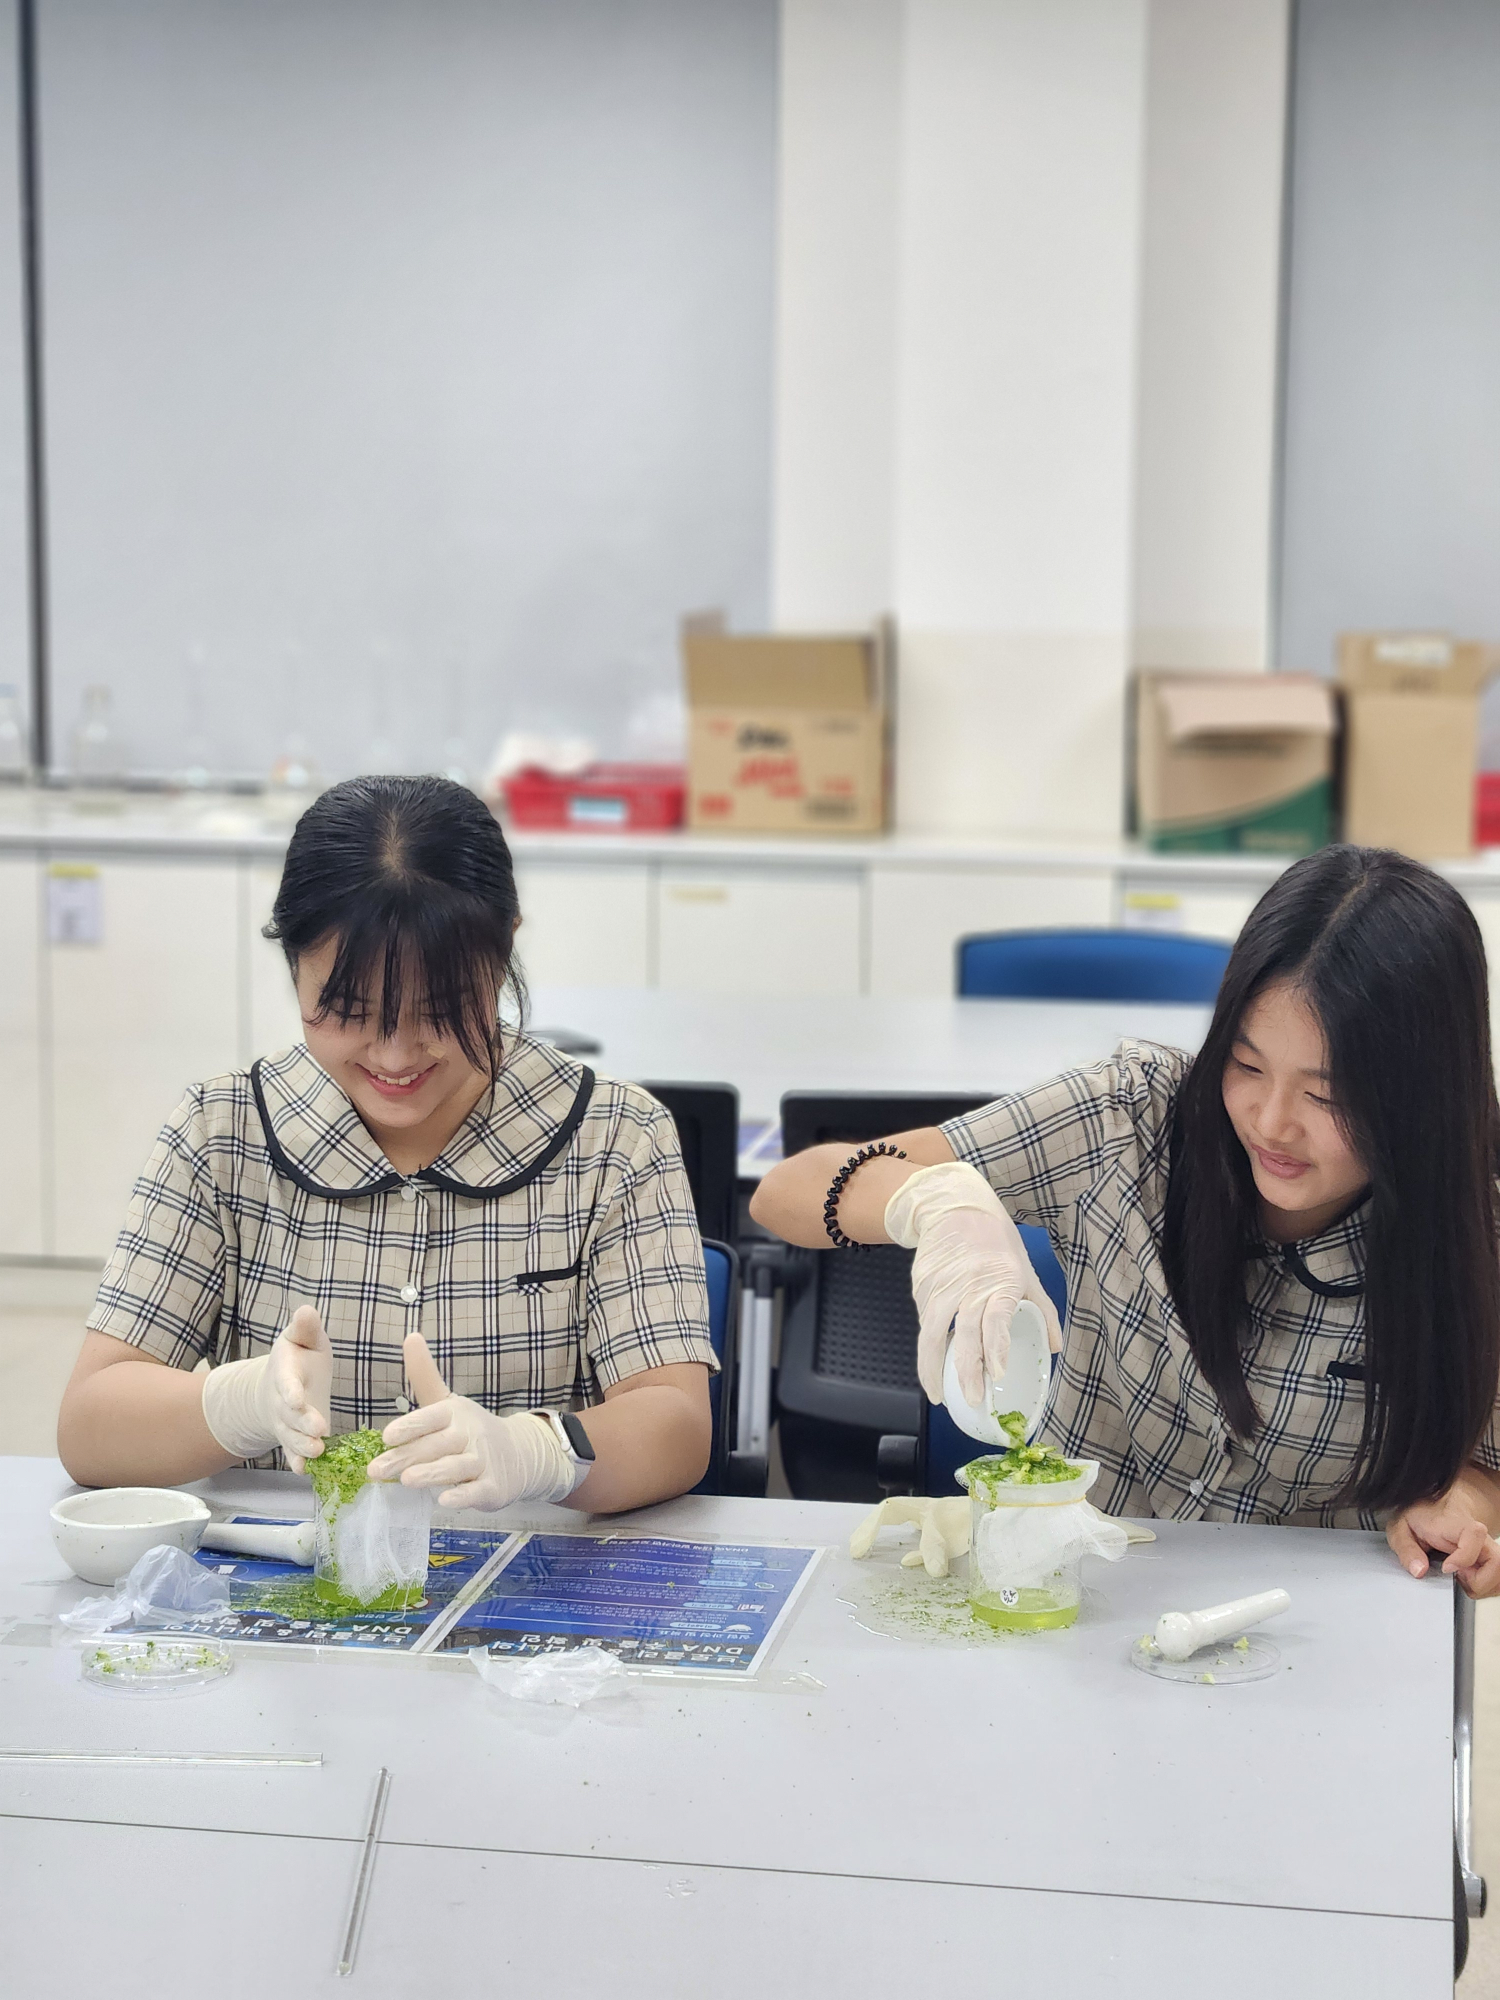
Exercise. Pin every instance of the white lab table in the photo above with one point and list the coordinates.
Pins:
(1026, 1807)
(767, 1046)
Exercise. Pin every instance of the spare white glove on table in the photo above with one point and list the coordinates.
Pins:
(480, 1460)
(280, 1398)
(945, 1526)
(970, 1273)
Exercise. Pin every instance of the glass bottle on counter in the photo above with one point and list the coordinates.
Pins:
(15, 759)
(95, 752)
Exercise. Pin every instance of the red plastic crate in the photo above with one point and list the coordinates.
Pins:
(1487, 809)
(604, 798)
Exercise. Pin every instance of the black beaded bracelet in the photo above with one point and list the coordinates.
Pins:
(831, 1206)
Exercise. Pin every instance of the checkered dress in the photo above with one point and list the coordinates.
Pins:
(549, 1252)
(1085, 1157)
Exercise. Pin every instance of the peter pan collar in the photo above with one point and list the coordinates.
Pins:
(317, 1140)
(1332, 1263)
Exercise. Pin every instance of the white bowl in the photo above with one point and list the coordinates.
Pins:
(1023, 1386)
(102, 1535)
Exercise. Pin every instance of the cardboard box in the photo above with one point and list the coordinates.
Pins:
(1411, 739)
(787, 734)
(1233, 763)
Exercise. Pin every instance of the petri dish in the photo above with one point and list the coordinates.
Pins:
(1248, 1658)
(147, 1667)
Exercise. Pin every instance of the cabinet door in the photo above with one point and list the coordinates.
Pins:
(918, 915)
(1486, 908)
(585, 926)
(1196, 909)
(274, 1020)
(22, 1222)
(144, 1001)
(772, 931)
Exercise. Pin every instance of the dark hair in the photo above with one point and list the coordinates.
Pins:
(414, 878)
(1389, 958)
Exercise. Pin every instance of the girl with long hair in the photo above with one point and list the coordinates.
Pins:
(1281, 1254)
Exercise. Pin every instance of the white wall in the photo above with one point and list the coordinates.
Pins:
(435, 334)
(1391, 508)
(1083, 276)
(15, 621)
(1210, 284)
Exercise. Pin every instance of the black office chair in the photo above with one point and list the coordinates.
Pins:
(707, 1117)
(848, 1372)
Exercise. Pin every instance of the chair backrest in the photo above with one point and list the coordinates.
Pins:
(1090, 965)
(849, 1329)
(707, 1117)
(721, 1269)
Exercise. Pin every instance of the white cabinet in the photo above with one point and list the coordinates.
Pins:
(23, 1220)
(766, 931)
(917, 916)
(138, 1015)
(586, 926)
(272, 1018)
(1192, 906)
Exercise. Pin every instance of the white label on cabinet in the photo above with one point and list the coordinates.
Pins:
(75, 903)
(1152, 910)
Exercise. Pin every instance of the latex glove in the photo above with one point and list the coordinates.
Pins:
(280, 1398)
(480, 1460)
(944, 1526)
(970, 1273)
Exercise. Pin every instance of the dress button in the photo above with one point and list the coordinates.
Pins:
(1195, 1487)
(408, 1193)
(402, 1405)
(409, 1295)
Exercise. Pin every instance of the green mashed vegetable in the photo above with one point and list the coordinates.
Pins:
(1023, 1465)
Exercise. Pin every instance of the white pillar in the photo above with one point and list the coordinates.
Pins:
(998, 310)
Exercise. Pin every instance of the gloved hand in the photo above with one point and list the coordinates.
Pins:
(970, 1273)
(276, 1398)
(944, 1525)
(479, 1459)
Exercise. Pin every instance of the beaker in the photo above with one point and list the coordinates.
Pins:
(1026, 1550)
(370, 1552)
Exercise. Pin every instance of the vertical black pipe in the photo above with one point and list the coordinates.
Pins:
(36, 442)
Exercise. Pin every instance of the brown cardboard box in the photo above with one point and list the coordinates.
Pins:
(1233, 763)
(1411, 739)
(787, 734)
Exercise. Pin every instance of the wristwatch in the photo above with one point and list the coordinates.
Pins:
(573, 1438)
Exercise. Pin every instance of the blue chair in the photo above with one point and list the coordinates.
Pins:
(1090, 965)
(729, 1471)
(942, 1447)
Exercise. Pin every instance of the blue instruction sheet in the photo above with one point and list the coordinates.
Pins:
(713, 1608)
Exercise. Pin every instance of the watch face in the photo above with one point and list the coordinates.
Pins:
(578, 1437)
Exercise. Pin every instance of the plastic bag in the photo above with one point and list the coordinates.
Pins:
(166, 1587)
(371, 1551)
(566, 1679)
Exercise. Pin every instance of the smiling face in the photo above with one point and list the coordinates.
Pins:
(1277, 1097)
(413, 1089)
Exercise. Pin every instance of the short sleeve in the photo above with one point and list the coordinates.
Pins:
(647, 1295)
(1041, 1149)
(1487, 1451)
(163, 1287)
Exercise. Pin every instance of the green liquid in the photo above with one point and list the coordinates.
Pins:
(1033, 1611)
(400, 1597)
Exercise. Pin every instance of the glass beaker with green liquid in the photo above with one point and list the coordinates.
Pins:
(1031, 1531)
